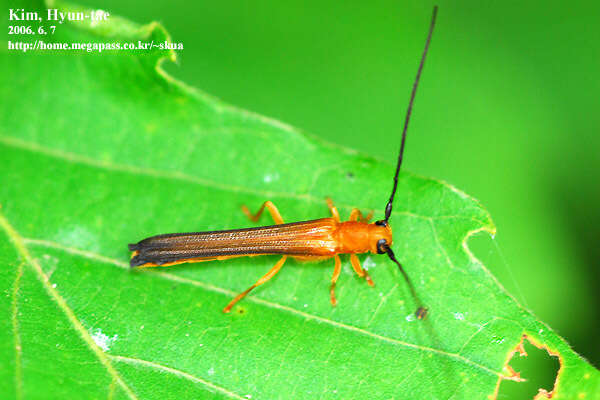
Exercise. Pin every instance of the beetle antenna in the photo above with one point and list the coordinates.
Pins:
(421, 312)
(388, 207)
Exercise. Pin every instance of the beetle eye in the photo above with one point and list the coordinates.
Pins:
(381, 246)
(381, 223)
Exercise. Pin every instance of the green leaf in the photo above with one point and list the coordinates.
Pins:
(101, 150)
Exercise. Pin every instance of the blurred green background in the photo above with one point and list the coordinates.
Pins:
(507, 111)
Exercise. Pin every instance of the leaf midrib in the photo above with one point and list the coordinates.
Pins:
(22, 250)
(307, 316)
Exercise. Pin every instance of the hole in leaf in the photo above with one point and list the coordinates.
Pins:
(538, 370)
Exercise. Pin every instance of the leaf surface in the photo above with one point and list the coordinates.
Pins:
(101, 150)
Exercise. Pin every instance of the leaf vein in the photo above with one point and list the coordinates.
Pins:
(176, 175)
(442, 248)
(16, 334)
(21, 248)
(267, 303)
(182, 374)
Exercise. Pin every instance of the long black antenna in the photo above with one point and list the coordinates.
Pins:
(421, 312)
(388, 207)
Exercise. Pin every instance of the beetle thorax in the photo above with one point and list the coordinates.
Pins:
(361, 237)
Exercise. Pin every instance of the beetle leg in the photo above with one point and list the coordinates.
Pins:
(336, 274)
(272, 210)
(359, 270)
(334, 211)
(262, 280)
(356, 215)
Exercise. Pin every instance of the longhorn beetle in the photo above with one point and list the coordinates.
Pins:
(313, 240)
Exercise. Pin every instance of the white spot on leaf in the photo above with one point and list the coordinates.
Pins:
(268, 178)
(459, 316)
(498, 340)
(369, 263)
(79, 237)
(103, 341)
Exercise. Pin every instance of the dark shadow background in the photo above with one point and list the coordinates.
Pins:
(508, 111)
